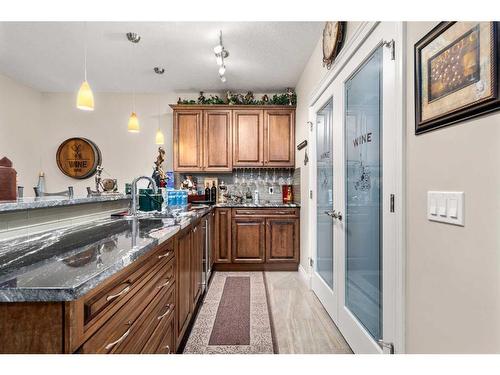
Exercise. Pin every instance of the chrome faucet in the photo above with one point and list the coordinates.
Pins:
(133, 191)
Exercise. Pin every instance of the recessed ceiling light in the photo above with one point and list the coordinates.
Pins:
(159, 70)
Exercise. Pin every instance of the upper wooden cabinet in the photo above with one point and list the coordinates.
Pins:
(217, 152)
(279, 138)
(188, 145)
(216, 138)
(248, 138)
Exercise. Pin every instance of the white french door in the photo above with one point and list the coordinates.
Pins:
(357, 176)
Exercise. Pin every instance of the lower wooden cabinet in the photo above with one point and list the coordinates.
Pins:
(259, 238)
(222, 243)
(282, 240)
(196, 263)
(183, 282)
(248, 240)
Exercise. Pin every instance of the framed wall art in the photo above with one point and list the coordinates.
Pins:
(456, 74)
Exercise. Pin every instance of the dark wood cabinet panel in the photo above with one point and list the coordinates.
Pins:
(183, 307)
(248, 142)
(196, 264)
(282, 240)
(188, 145)
(217, 150)
(211, 237)
(222, 241)
(279, 138)
(248, 240)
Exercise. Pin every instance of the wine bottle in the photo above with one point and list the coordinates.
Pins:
(213, 193)
(207, 192)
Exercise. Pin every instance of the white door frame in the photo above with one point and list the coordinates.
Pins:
(363, 31)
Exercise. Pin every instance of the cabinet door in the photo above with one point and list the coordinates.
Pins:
(183, 283)
(279, 138)
(248, 142)
(196, 264)
(282, 240)
(188, 140)
(222, 248)
(248, 240)
(211, 236)
(217, 147)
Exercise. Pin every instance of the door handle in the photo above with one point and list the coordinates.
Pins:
(334, 214)
(386, 345)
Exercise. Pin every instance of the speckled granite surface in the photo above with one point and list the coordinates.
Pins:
(64, 264)
(43, 202)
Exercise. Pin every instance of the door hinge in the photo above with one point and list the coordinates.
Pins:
(386, 345)
(391, 204)
(311, 262)
(310, 125)
(392, 45)
(310, 194)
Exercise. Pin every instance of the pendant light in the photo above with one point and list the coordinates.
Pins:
(85, 97)
(159, 139)
(133, 121)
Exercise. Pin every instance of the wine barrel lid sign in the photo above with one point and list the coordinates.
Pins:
(78, 158)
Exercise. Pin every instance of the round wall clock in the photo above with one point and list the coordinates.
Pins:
(333, 37)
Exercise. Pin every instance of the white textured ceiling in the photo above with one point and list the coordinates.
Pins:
(264, 56)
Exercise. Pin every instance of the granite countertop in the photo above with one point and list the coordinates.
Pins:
(64, 264)
(56, 201)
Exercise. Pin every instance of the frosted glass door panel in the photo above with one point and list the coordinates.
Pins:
(324, 143)
(363, 194)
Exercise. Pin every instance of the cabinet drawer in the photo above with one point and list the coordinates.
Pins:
(266, 212)
(118, 330)
(162, 339)
(119, 290)
(160, 310)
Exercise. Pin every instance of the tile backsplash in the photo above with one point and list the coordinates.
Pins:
(266, 195)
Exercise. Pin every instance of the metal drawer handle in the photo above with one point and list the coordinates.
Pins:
(169, 308)
(113, 296)
(168, 348)
(112, 344)
(165, 284)
(164, 255)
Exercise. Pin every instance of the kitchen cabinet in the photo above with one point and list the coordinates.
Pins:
(282, 240)
(260, 239)
(184, 282)
(188, 146)
(248, 240)
(222, 236)
(218, 138)
(217, 150)
(196, 263)
(279, 138)
(248, 138)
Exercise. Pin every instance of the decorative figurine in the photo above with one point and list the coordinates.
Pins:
(265, 99)
(248, 99)
(158, 173)
(201, 98)
(290, 93)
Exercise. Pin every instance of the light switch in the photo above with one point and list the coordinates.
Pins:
(446, 207)
(442, 206)
(453, 208)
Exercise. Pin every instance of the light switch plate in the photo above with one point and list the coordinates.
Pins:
(446, 207)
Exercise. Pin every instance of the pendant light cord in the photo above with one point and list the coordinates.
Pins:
(85, 50)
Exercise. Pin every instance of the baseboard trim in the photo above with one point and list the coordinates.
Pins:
(304, 275)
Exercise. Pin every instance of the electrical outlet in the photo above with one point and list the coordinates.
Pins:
(271, 189)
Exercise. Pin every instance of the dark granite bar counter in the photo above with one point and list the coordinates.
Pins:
(55, 201)
(64, 264)
(260, 205)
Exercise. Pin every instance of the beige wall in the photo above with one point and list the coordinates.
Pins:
(452, 272)
(33, 125)
(20, 128)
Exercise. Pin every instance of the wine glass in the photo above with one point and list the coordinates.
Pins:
(274, 176)
(266, 177)
(235, 177)
(289, 179)
(281, 180)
